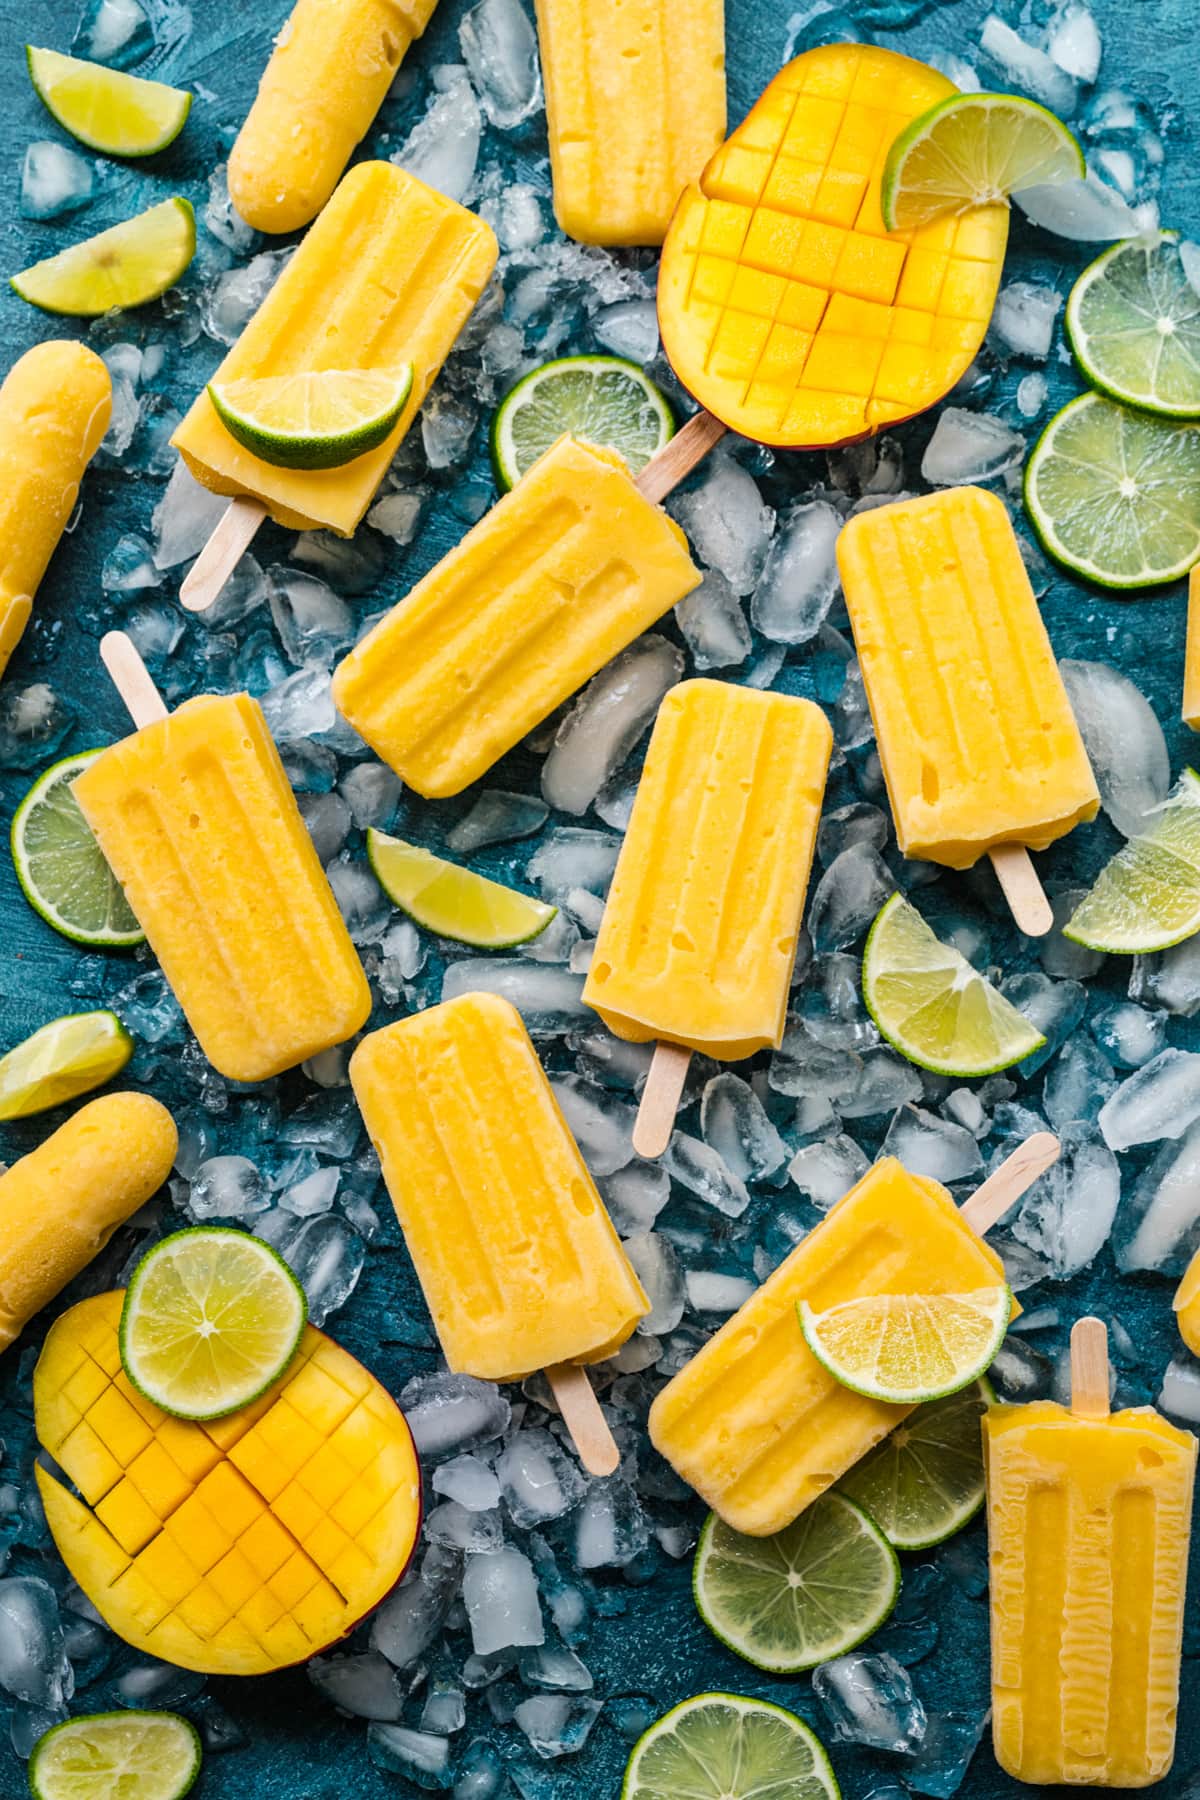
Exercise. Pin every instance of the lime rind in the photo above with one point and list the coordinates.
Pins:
(128, 265)
(1148, 897)
(54, 1774)
(166, 1320)
(1114, 494)
(745, 1748)
(932, 1006)
(832, 1568)
(1133, 323)
(107, 109)
(974, 150)
(53, 849)
(606, 400)
(925, 1481)
(319, 419)
(855, 1341)
(454, 902)
(68, 1057)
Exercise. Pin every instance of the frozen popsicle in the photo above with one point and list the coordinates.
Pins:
(980, 749)
(1089, 1517)
(699, 933)
(754, 1422)
(327, 77)
(1187, 1306)
(566, 570)
(518, 1259)
(388, 275)
(60, 1204)
(197, 820)
(54, 409)
(1191, 672)
(635, 103)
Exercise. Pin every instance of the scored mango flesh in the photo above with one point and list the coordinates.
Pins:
(785, 305)
(235, 1546)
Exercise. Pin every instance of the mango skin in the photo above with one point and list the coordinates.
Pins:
(235, 1547)
(785, 306)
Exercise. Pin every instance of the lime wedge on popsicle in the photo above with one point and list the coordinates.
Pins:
(122, 115)
(811, 1591)
(971, 150)
(906, 1348)
(925, 1481)
(127, 265)
(1133, 321)
(452, 901)
(61, 867)
(116, 1756)
(725, 1747)
(317, 420)
(68, 1057)
(603, 399)
(1148, 897)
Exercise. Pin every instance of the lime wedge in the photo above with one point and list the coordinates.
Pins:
(933, 1006)
(116, 1756)
(453, 901)
(1133, 321)
(604, 399)
(313, 421)
(60, 865)
(68, 1057)
(925, 1481)
(1148, 897)
(724, 1747)
(1115, 495)
(972, 150)
(124, 266)
(122, 115)
(905, 1348)
(812, 1591)
(212, 1317)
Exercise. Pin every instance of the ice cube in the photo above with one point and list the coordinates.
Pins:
(411, 1618)
(538, 1482)
(328, 820)
(557, 1724)
(229, 303)
(515, 215)
(1129, 1034)
(609, 1528)
(1124, 742)
(606, 721)
(969, 447)
(870, 1700)
(549, 999)
(711, 1291)
(573, 857)
(227, 1187)
(1170, 979)
(1074, 43)
(445, 1709)
(481, 1774)
(556, 1670)
(157, 1684)
(1180, 1391)
(447, 425)
(825, 1171)
(500, 1592)
(443, 146)
(500, 50)
(468, 1480)
(1023, 320)
(800, 577)
(713, 624)
(933, 1147)
(1033, 391)
(34, 720)
(845, 826)
(364, 1685)
(314, 624)
(116, 32)
(222, 218)
(698, 1167)
(33, 1660)
(129, 567)
(457, 1528)
(657, 1266)
(1159, 1224)
(884, 1083)
(1086, 211)
(326, 1256)
(312, 1195)
(362, 903)
(184, 519)
(848, 897)
(1078, 1082)
(397, 516)
(951, 1740)
(628, 328)
(496, 817)
(1028, 68)
(602, 1125)
(1066, 1217)
(449, 1414)
(728, 523)
(636, 1195)
(734, 1123)
(422, 1756)
(1159, 1100)
(372, 794)
(1054, 1008)
(54, 181)
(351, 565)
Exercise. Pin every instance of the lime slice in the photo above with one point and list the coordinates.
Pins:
(812, 1591)
(60, 866)
(68, 1057)
(212, 1317)
(313, 421)
(905, 1348)
(1133, 321)
(1115, 494)
(124, 266)
(604, 399)
(453, 901)
(1148, 897)
(972, 150)
(925, 1481)
(724, 1747)
(933, 1006)
(122, 115)
(116, 1756)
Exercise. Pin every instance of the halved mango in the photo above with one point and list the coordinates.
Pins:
(240, 1545)
(785, 306)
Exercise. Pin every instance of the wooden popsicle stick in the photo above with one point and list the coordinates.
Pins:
(660, 1099)
(223, 552)
(132, 679)
(676, 460)
(1026, 898)
(1089, 1369)
(583, 1418)
(1007, 1183)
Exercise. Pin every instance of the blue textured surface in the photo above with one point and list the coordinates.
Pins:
(651, 1642)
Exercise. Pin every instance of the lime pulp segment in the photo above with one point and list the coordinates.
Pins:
(452, 901)
(925, 1480)
(68, 1057)
(316, 420)
(906, 1348)
(118, 114)
(605, 400)
(972, 150)
(1133, 322)
(60, 865)
(116, 1756)
(725, 1747)
(127, 265)
(1148, 897)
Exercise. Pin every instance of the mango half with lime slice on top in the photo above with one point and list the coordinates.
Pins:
(785, 305)
(239, 1545)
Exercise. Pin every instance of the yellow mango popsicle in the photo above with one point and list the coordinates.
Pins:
(564, 572)
(60, 1204)
(55, 405)
(327, 77)
(1191, 673)
(754, 1422)
(635, 104)
(978, 741)
(1187, 1306)
(387, 275)
(1089, 1519)
(196, 817)
(699, 933)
